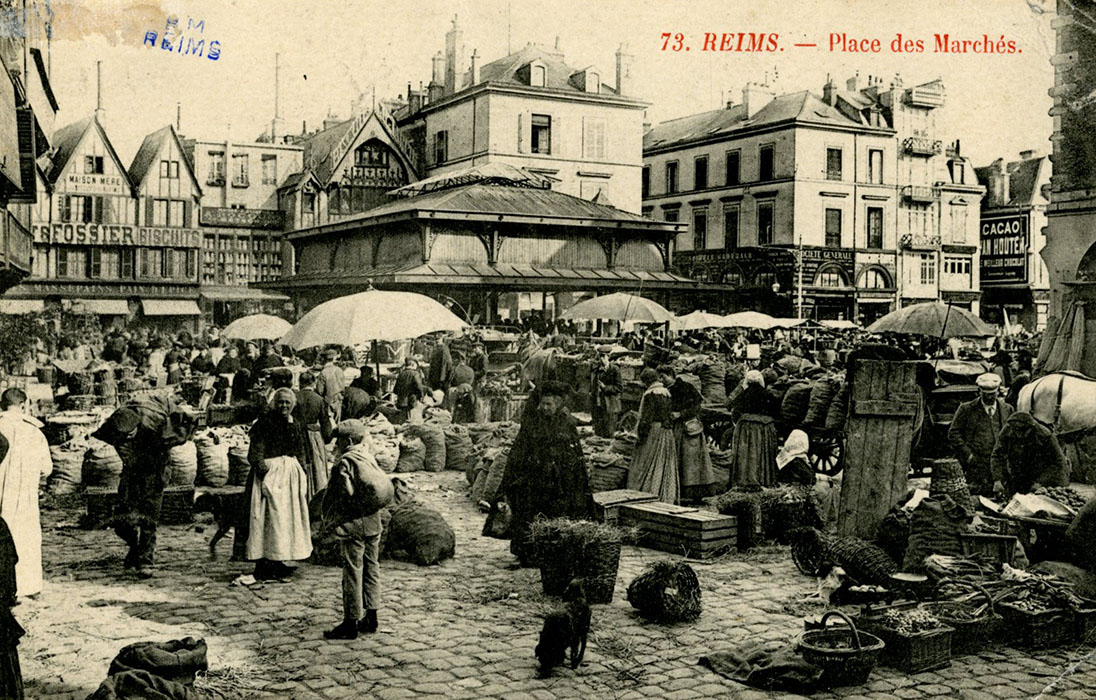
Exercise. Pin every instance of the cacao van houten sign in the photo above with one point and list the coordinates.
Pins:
(1004, 249)
(109, 234)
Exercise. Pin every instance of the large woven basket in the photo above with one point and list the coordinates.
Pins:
(561, 559)
(845, 654)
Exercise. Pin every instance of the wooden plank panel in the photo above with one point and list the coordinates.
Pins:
(675, 546)
(697, 536)
(695, 520)
(876, 407)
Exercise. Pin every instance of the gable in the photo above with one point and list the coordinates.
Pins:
(78, 176)
(371, 129)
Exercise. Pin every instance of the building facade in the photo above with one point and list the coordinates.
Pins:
(1015, 281)
(839, 206)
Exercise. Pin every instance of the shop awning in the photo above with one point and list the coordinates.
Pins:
(21, 306)
(240, 294)
(99, 307)
(170, 307)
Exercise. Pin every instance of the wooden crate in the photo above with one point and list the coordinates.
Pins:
(607, 504)
(178, 506)
(689, 531)
(995, 548)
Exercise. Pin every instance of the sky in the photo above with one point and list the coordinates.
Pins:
(333, 52)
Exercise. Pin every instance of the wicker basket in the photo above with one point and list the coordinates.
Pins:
(1045, 629)
(178, 506)
(562, 559)
(1084, 626)
(865, 562)
(845, 654)
(971, 635)
(913, 653)
(608, 478)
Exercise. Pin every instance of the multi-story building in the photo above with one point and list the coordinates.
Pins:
(27, 110)
(838, 206)
(241, 221)
(106, 246)
(787, 199)
(1015, 282)
(533, 111)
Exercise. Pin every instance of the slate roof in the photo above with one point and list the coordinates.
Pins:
(67, 138)
(558, 73)
(1023, 180)
(795, 107)
(149, 152)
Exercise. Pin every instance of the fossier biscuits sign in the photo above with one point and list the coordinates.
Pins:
(117, 235)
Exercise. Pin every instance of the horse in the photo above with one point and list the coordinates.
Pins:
(1064, 401)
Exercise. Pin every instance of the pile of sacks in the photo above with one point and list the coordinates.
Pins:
(221, 456)
(162, 670)
(491, 446)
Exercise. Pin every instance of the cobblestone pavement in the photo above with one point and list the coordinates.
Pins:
(464, 629)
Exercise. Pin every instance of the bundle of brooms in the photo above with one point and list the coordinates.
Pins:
(666, 591)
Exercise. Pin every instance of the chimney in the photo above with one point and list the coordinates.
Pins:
(998, 183)
(853, 83)
(754, 98)
(330, 120)
(99, 90)
(730, 100)
(624, 63)
(178, 117)
(1027, 155)
(829, 91)
(475, 68)
(454, 57)
(276, 126)
(435, 91)
(437, 75)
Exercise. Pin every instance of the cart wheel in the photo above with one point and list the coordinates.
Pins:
(826, 454)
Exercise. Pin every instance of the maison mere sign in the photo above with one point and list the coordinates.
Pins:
(105, 234)
(100, 184)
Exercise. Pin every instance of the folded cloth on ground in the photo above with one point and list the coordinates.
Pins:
(769, 666)
(178, 660)
(142, 685)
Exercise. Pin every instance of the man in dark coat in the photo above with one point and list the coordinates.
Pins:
(545, 471)
(409, 388)
(270, 359)
(11, 676)
(605, 388)
(311, 412)
(441, 367)
(973, 434)
(1028, 455)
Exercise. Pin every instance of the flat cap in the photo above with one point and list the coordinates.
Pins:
(352, 429)
(988, 382)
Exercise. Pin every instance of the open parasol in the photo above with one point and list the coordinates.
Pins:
(933, 319)
(257, 327)
(750, 319)
(371, 315)
(619, 307)
(697, 320)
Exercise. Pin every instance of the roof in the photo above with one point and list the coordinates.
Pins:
(319, 148)
(149, 153)
(494, 172)
(557, 73)
(1023, 183)
(66, 139)
(802, 107)
(494, 200)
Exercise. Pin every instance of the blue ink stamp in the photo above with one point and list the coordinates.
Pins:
(188, 42)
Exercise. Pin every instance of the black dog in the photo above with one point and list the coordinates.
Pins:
(226, 509)
(565, 628)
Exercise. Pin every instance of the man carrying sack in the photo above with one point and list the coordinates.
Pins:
(973, 434)
(355, 494)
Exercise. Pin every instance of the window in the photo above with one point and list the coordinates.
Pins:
(700, 173)
(829, 277)
(875, 166)
(730, 227)
(541, 140)
(765, 158)
(833, 228)
(593, 137)
(765, 223)
(441, 147)
(95, 263)
(958, 223)
(957, 266)
(734, 175)
(928, 269)
(873, 278)
(93, 165)
(833, 163)
(240, 170)
(81, 209)
(765, 277)
(72, 263)
(958, 172)
(645, 182)
(671, 177)
(700, 229)
(216, 168)
(169, 169)
(126, 265)
(537, 75)
(159, 212)
(733, 275)
(593, 82)
(670, 215)
(875, 227)
(175, 213)
(270, 170)
(152, 262)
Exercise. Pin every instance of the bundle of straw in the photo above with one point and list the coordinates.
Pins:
(666, 591)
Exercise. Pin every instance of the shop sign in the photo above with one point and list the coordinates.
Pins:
(783, 261)
(98, 184)
(107, 234)
(1005, 246)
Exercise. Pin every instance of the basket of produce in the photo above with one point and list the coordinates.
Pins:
(1063, 494)
(845, 654)
(1032, 625)
(666, 591)
(968, 609)
(567, 548)
(916, 640)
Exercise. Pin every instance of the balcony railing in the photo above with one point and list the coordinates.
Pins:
(919, 193)
(920, 242)
(243, 218)
(920, 146)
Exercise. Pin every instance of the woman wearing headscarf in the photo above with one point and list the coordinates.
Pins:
(694, 461)
(753, 463)
(278, 526)
(654, 466)
(792, 466)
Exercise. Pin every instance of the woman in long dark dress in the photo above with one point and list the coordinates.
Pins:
(654, 465)
(279, 530)
(754, 462)
(694, 461)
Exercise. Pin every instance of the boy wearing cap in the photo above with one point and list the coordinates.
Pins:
(331, 383)
(605, 385)
(974, 431)
(359, 535)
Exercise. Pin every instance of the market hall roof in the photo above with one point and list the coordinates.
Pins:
(485, 202)
(798, 107)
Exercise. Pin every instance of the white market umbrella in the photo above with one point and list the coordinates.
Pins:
(257, 327)
(618, 307)
(698, 320)
(750, 319)
(371, 315)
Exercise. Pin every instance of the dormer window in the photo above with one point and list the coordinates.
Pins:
(593, 82)
(538, 74)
